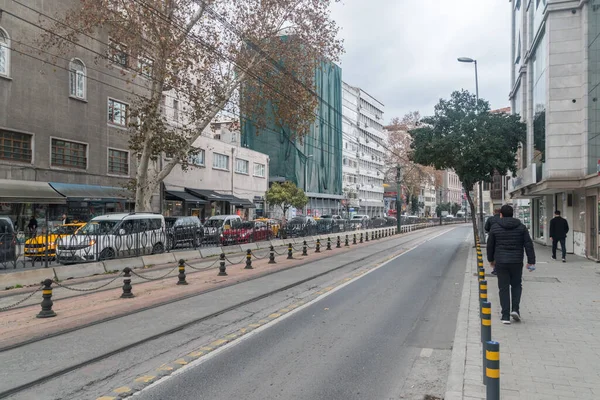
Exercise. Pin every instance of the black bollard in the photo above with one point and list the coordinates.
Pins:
(367, 237)
(492, 370)
(482, 292)
(328, 243)
(127, 284)
(290, 252)
(354, 239)
(248, 259)
(272, 256)
(318, 246)
(481, 273)
(372, 235)
(181, 275)
(361, 237)
(339, 243)
(222, 267)
(46, 304)
(486, 329)
(346, 242)
(304, 248)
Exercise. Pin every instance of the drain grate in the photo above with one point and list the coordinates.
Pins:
(541, 279)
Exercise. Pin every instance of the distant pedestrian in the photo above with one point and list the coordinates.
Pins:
(488, 225)
(64, 219)
(507, 242)
(559, 227)
(33, 225)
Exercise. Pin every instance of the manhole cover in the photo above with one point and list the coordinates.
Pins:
(541, 279)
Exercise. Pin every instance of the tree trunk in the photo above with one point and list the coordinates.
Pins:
(143, 198)
(473, 217)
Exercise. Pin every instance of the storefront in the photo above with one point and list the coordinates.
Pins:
(217, 203)
(259, 204)
(85, 202)
(181, 203)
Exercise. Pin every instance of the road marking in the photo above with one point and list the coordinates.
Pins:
(145, 378)
(426, 352)
(231, 336)
(301, 305)
(165, 368)
(196, 354)
(122, 389)
(206, 348)
(106, 398)
(284, 310)
(243, 330)
(181, 361)
(218, 343)
(274, 315)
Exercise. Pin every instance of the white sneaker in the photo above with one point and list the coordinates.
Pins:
(515, 315)
(506, 321)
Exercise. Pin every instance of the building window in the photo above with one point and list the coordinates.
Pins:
(117, 112)
(117, 53)
(68, 154)
(176, 110)
(241, 166)
(118, 162)
(15, 146)
(4, 53)
(220, 161)
(77, 82)
(197, 159)
(259, 170)
(145, 65)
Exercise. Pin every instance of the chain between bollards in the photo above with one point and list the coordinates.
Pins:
(272, 255)
(339, 243)
(318, 246)
(486, 330)
(222, 267)
(290, 252)
(328, 243)
(46, 304)
(127, 294)
(248, 259)
(181, 275)
(492, 370)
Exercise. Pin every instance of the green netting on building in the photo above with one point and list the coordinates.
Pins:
(319, 156)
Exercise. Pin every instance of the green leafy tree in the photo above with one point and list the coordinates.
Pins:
(442, 207)
(414, 205)
(454, 208)
(465, 136)
(286, 195)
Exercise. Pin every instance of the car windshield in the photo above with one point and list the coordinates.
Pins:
(98, 227)
(213, 223)
(357, 217)
(64, 230)
(297, 220)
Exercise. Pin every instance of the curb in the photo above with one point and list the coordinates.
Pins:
(456, 376)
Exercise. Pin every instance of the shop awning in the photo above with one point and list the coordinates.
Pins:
(209, 195)
(78, 192)
(15, 191)
(238, 202)
(183, 196)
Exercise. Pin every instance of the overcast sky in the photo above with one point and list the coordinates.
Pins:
(403, 52)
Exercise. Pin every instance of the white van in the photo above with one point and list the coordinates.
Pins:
(113, 236)
(218, 223)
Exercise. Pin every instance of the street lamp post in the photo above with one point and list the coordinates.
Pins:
(481, 235)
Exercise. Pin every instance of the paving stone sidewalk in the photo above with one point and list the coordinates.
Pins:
(554, 353)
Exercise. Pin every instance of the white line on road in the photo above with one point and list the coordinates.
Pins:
(258, 330)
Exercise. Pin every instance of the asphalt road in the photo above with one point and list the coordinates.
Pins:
(387, 335)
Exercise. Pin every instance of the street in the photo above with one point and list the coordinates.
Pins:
(387, 335)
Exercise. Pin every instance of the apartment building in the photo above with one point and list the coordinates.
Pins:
(364, 141)
(555, 89)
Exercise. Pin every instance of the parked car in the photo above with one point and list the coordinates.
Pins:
(37, 247)
(8, 240)
(273, 224)
(113, 236)
(338, 223)
(246, 232)
(301, 226)
(183, 231)
(215, 226)
(359, 222)
(391, 221)
(377, 222)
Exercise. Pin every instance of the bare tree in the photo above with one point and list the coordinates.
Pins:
(203, 52)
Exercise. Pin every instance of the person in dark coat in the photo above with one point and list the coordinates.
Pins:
(488, 225)
(559, 227)
(33, 225)
(508, 241)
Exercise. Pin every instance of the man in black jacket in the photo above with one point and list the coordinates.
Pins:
(559, 227)
(488, 225)
(507, 242)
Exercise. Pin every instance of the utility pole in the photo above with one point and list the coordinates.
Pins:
(398, 200)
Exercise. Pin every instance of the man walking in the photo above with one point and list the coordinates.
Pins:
(559, 227)
(507, 242)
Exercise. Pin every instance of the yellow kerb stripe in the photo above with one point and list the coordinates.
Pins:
(483, 295)
(486, 310)
(492, 373)
(492, 355)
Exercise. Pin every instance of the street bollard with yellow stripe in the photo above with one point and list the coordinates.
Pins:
(483, 291)
(181, 277)
(290, 252)
(46, 304)
(248, 259)
(486, 330)
(492, 370)
(481, 272)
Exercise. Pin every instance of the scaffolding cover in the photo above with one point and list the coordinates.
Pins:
(319, 154)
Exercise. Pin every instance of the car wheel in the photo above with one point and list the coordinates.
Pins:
(158, 248)
(106, 254)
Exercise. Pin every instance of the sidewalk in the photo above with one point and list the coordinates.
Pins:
(554, 353)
